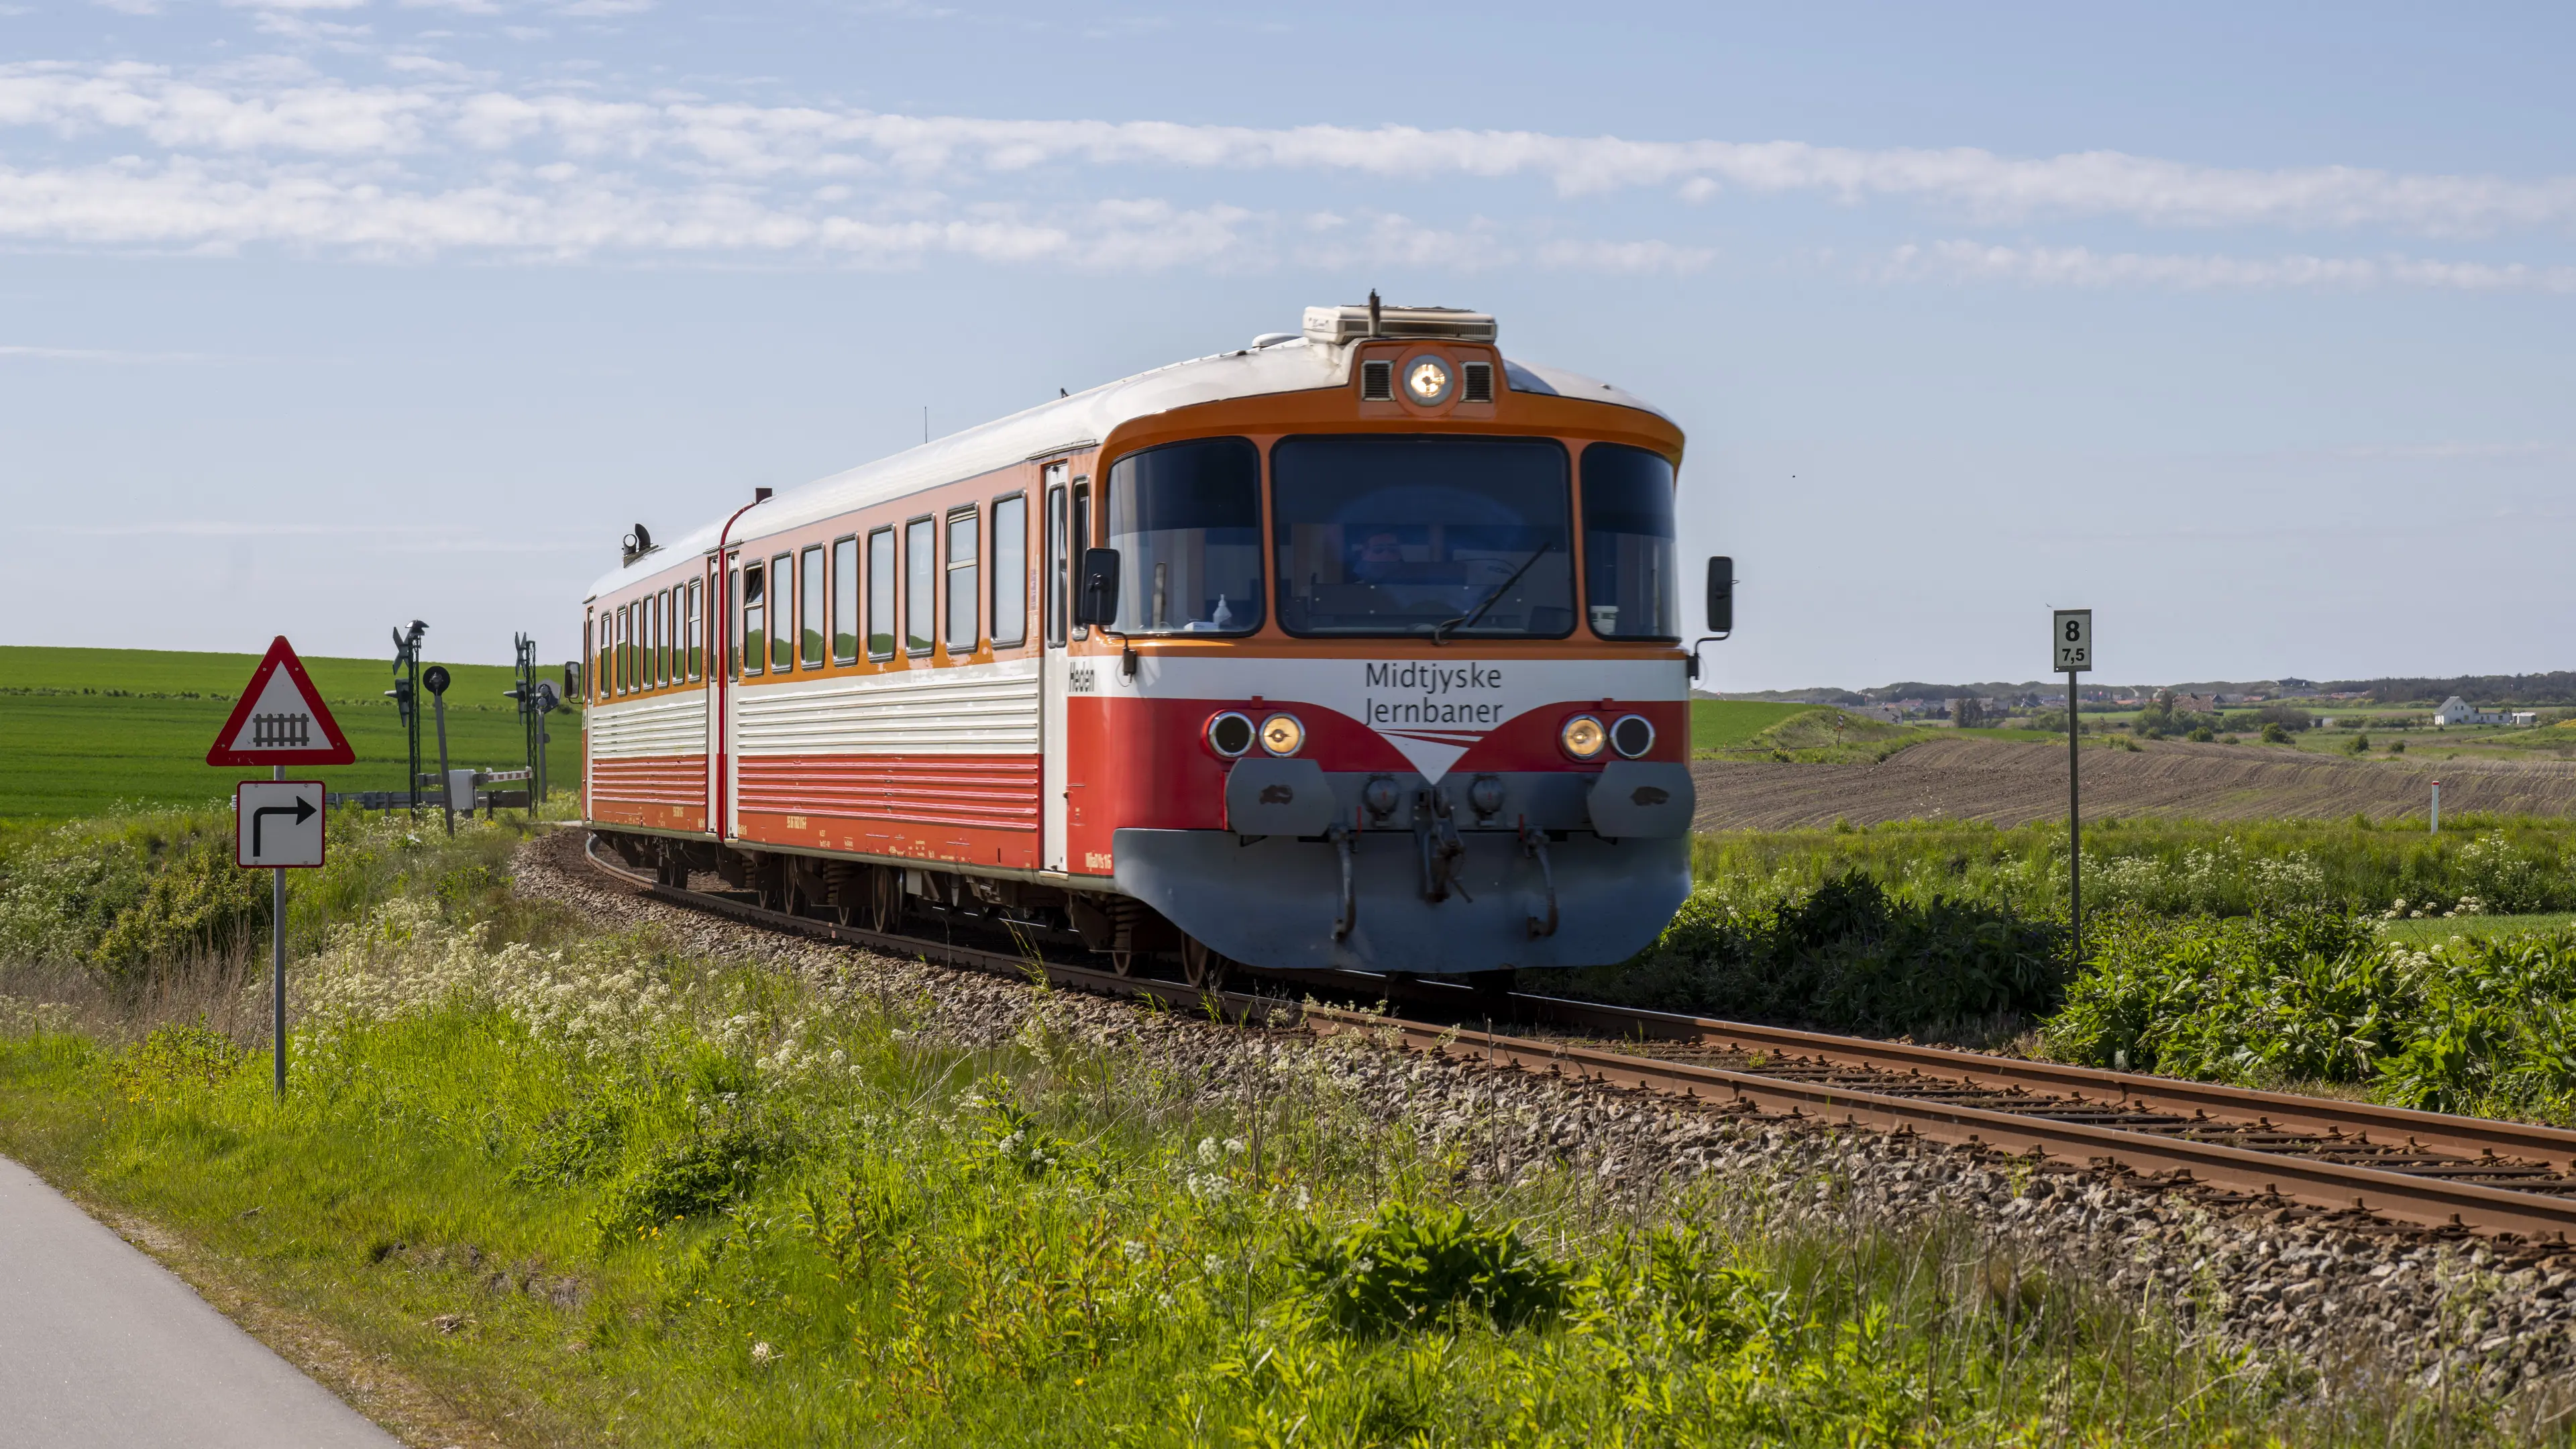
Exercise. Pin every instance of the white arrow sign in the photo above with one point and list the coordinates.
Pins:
(278, 823)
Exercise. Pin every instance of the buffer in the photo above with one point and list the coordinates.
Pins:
(280, 719)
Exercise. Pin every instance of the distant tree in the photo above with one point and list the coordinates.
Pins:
(2360, 745)
(2274, 734)
(2203, 735)
(2396, 747)
(2287, 716)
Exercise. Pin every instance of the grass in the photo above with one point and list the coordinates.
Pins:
(1727, 723)
(87, 729)
(1806, 734)
(2428, 930)
(595, 1189)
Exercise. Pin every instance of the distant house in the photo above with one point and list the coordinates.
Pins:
(2199, 703)
(2457, 711)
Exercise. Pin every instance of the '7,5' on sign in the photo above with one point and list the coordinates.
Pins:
(2072, 631)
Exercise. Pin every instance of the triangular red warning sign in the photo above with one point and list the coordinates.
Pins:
(280, 719)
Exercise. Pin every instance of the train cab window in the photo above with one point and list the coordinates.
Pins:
(965, 549)
(1059, 590)
(782, 613)
(1448, 536)
(754, 633)
(1629, 544)
(920, 584)
(1010, 571)
(1081, 536)
(1186, 521)
(809, 618)
(696, 625)
(589, 644)
(881, 594)
(845, 601)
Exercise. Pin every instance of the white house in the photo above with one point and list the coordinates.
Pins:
(2457, 711)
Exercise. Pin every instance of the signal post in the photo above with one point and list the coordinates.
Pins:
(278, 823)
(2071, 631)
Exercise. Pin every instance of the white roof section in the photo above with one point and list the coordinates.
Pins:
(1065, 425)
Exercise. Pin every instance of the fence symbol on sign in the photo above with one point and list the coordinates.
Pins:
(281, 731)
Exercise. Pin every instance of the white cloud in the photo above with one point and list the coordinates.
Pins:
(2076, 266)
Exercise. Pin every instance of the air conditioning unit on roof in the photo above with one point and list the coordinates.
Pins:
(1351, 323)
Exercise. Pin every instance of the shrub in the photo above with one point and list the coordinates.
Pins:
(700, 1174)
(1846, 954)
(1411, 1264)
(201, 904)
(2274, 734)
(2396, 747)
(2203, 735)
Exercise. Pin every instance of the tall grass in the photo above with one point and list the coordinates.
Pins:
(607, 1191)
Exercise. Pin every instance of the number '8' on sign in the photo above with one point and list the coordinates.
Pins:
(2073, 635)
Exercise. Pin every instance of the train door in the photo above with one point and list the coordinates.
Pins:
(716, 621)
(1056, 495)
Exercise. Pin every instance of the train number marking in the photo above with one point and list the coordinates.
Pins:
(795, 822)
(1096, 860)
(1081, 679)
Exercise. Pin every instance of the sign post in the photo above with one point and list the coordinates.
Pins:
(2071, 631)
(277, 823)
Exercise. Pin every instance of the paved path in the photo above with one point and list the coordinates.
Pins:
(101, 1348)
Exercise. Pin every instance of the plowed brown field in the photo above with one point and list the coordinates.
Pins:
(2008, 783)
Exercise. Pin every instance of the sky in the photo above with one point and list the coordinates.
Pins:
(2247, 327)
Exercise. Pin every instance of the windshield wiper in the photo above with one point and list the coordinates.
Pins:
(1440, 631)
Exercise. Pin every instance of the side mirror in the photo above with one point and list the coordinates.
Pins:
(1095, 603)
(1721, 595)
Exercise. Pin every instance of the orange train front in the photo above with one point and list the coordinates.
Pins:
(1359, 647)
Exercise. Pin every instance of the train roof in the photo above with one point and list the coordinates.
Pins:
(1067, 425)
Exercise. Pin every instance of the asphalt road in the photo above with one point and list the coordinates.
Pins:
(101, 1348)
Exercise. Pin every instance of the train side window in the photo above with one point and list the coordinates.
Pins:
(755, 618)
(604, 677)
(661, 671)
(964, 549)
(809, 577)
(626, 649)
(1081, 534)
(845, 601)
(1059, 565)
(920, 584)
(1010, 571)
(881, 594)
(782, 613)
(697, 647)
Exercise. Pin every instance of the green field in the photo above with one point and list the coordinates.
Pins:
(1718, 724)
(83, 729)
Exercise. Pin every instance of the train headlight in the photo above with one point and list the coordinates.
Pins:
(1229, 733)
(1281, 734)
(1583, 737)
(1426, 380)
(1632, 736)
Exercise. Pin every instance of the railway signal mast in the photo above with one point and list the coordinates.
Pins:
(279, 721)
(2071, 631)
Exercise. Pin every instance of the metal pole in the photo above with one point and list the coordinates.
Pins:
(2437, 807)
(277, 961)
(2074, 831)
(446, 791)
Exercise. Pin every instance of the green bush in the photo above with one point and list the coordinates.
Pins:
(1411, 1265)
(690, 1178)
(200, 904)
(1847, 954)
(175, 1063)
(2275, 734)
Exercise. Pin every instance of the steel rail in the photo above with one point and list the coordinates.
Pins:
(2468, 1136)
(2431, 1201)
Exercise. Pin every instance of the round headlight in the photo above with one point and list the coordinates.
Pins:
(1583, 737)
(1229, 733)
(1426, 380)
(1633, 735)
(1281, 734)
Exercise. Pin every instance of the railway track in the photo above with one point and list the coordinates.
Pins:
(2494, 1178)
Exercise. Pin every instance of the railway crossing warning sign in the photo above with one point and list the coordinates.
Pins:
(277, 824)
(280, 720)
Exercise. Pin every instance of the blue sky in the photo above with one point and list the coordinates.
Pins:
(2248, 328)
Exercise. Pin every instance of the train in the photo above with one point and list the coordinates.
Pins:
(1358, 648)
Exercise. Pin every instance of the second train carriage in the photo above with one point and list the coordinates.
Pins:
(1358, 647)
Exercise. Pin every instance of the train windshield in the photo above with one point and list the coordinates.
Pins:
(1186, 521)
(1629, 543)
(1447, 536)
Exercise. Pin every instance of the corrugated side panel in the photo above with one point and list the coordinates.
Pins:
(982, 709)
(994, 791)
(648, 727)
(661, 780)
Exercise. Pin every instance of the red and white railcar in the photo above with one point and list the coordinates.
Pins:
(1358, 647)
